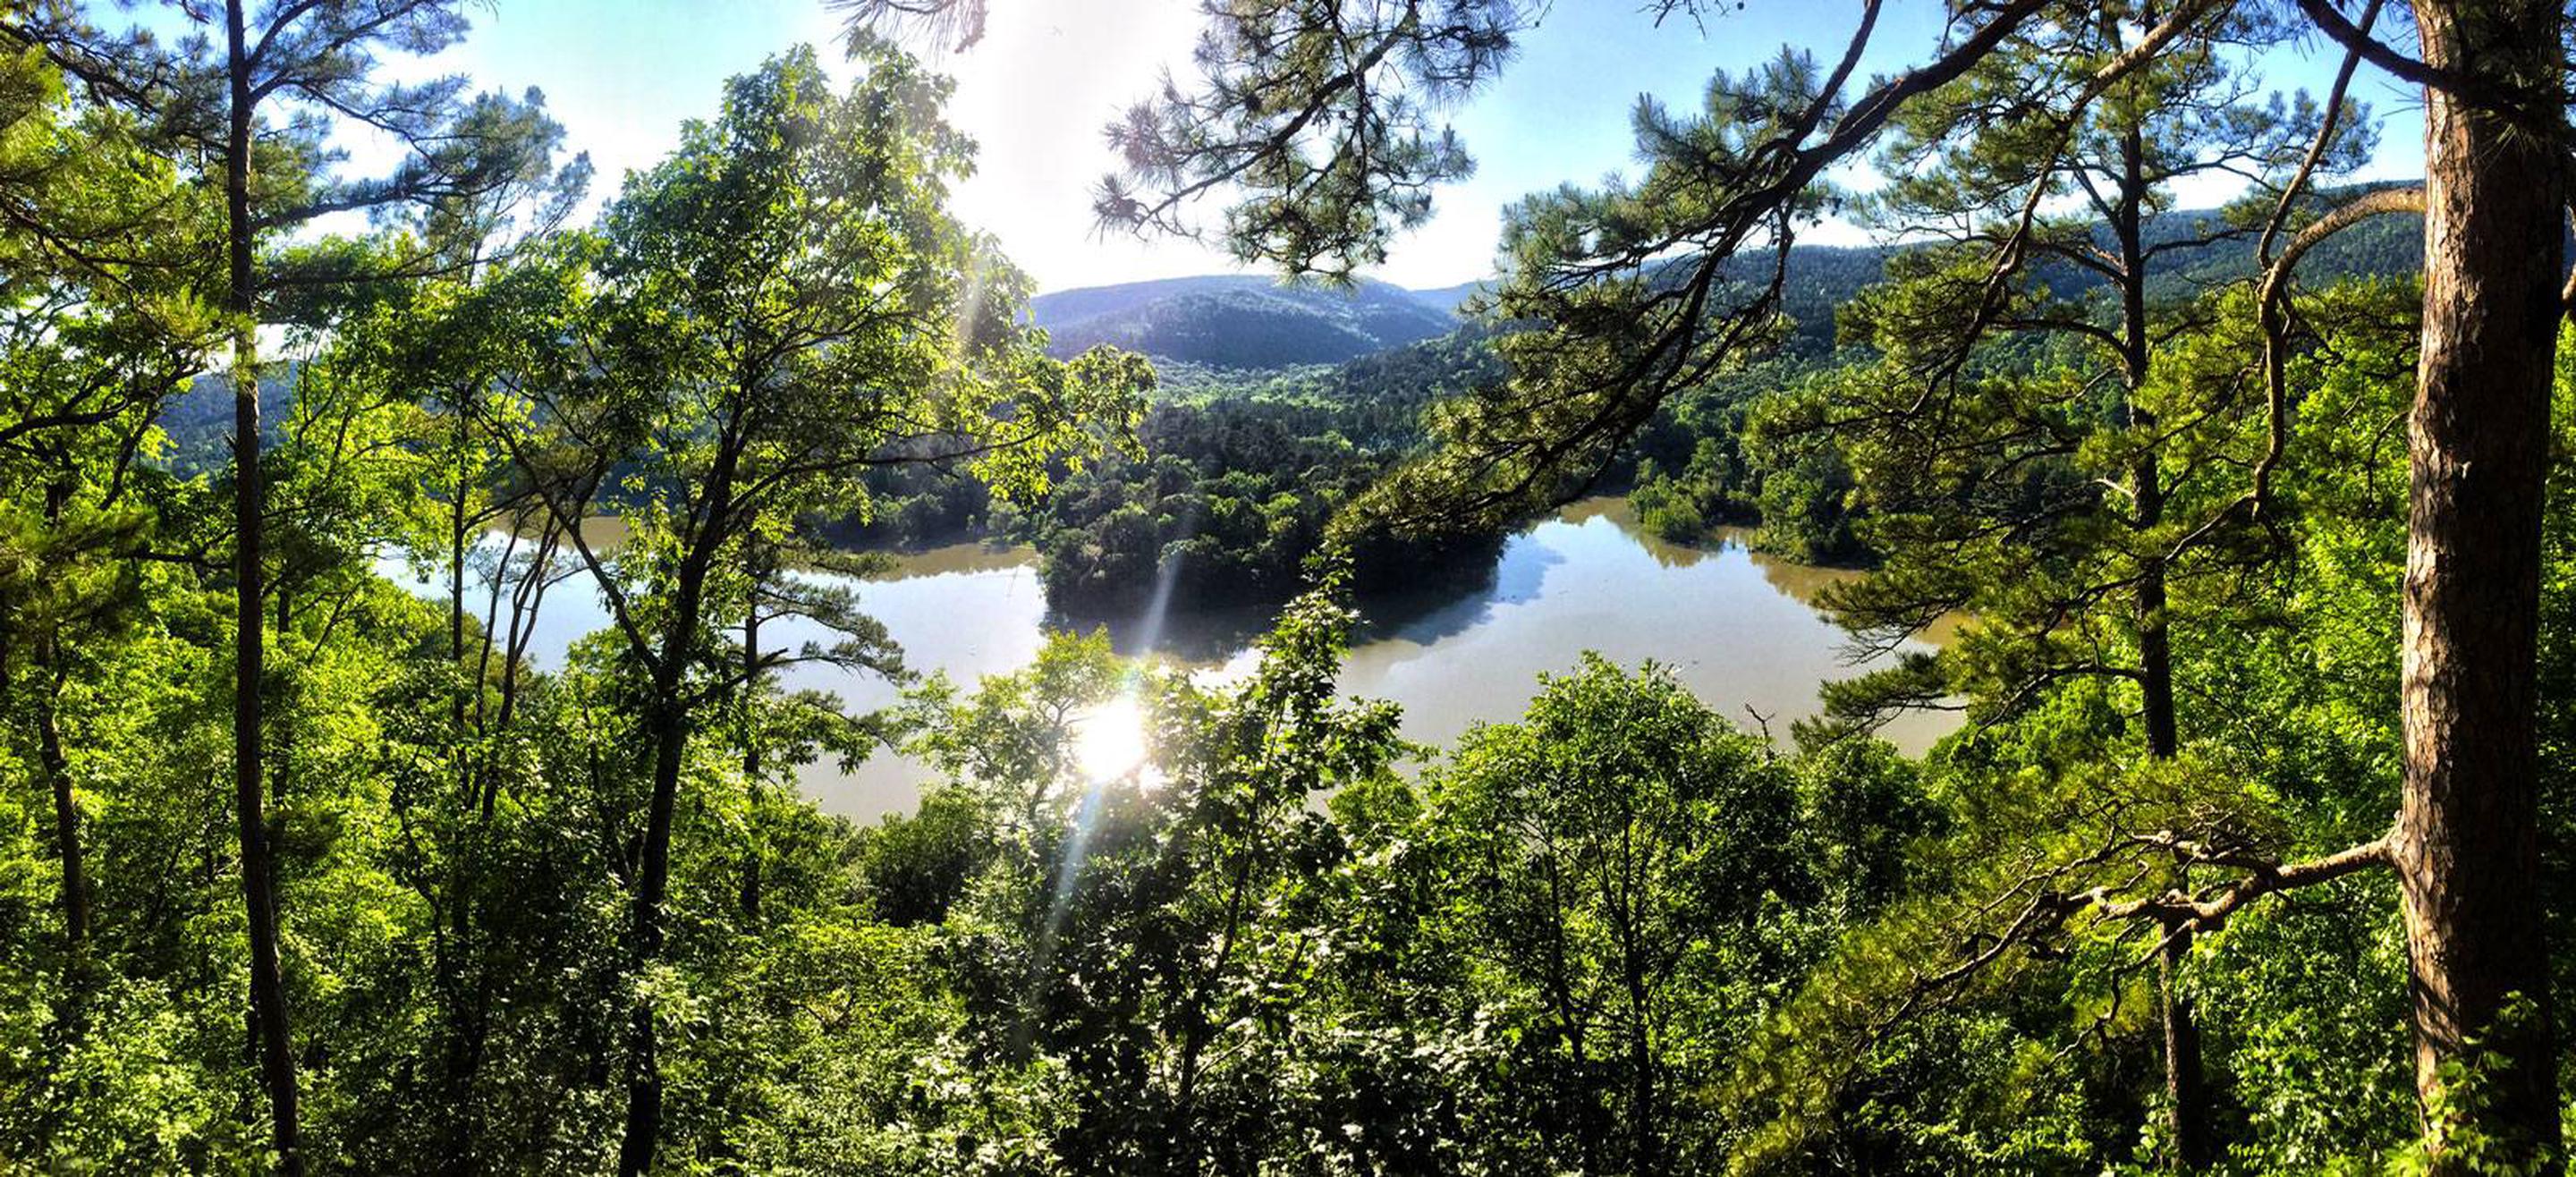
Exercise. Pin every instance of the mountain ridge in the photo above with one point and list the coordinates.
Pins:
(1252, 322)
(1242, 321)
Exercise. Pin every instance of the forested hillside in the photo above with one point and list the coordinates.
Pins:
(1249, 322)
(1821, 279)
(2239, 547)
(1245, 459)
(199, 421)
(1240, 321)
(1229, 489)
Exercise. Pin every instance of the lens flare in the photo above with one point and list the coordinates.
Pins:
(1109, 741)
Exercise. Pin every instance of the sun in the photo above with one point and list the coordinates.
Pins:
(1109, 740)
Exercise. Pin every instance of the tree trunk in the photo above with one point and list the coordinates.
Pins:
(2186, 1086)
(525, 601)
(670, 744)
(259, 884)
(643, 1067)
(1643, 1158)
(752, 855)
(2467, 845)
(456, 596)
(50, 757)
(58, 774)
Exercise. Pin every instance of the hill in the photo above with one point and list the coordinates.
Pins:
(1242, 320)
(1822, 278)
(1252, 322)
(199, 421)
(1448, 298)
(1224, 335)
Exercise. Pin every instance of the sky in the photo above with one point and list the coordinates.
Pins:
(622, 75)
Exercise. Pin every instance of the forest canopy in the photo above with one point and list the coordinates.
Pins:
(2249, 851)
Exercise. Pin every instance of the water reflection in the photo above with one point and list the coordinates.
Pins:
(1739, 628)
(1432, 612)
(1191, 637)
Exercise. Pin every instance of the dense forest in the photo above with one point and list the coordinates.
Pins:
(2251, 854)
(1226, 491)
(1242, 321)
(1244, 459)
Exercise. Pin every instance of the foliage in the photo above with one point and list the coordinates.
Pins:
(563, 917)
(1232, 486)
(1239, 322)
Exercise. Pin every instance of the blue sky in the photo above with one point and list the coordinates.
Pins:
(623, 74)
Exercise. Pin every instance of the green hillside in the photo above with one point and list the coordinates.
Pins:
(1239, 321)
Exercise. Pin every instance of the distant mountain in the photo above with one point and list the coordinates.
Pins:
(1235, 332)
(199, 421)
(1251, 322)
(1821, 278)
(1242, 320)
(1448, 298)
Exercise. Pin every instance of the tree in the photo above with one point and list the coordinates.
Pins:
(778, 308)
(2058, 463)
(101, 328)
(1161, 920)
(215, 102)
(1318, 113)
(2467, 841)
(1610, 852)
(1640, 292)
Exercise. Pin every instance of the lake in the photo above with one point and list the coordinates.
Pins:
(1738, 627)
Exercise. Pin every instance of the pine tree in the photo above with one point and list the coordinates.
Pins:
(250, 107)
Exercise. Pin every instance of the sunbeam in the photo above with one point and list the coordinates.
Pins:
(1109, 744)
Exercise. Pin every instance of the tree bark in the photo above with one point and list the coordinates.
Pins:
(2186, 1086)
(58, 774)
(752, 864)
(643, 1129)
(2467, 844)
(259, 894)
(670, 723)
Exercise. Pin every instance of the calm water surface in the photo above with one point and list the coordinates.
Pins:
(1738, 627)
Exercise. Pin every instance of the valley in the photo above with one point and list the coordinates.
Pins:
(1285, 587)
(1740, 628)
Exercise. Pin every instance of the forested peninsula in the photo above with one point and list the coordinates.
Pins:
(2231, 535)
